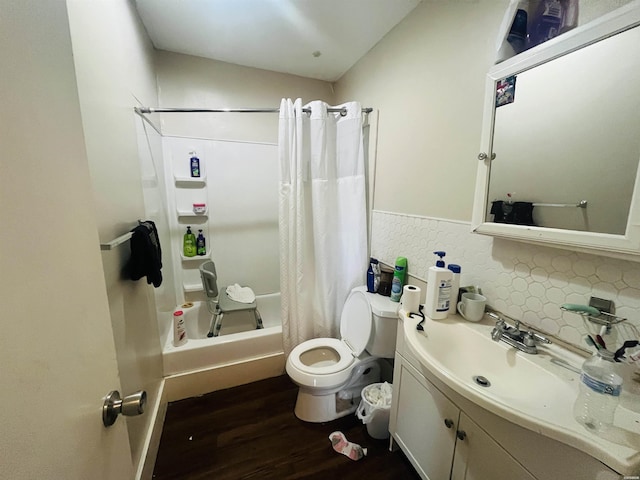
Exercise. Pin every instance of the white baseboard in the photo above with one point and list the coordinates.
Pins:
(199, 382)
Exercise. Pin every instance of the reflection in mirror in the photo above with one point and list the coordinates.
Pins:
(570, 134)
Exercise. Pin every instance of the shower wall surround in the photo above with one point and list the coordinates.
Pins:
(526, 282)
(239, 186)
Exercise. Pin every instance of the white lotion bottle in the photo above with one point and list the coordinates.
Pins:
(439, 280)
(179, 330)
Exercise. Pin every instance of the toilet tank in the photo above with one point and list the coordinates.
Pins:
(382, 342)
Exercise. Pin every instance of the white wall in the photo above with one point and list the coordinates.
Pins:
(114, 66)
(426, 78)
(187, 81)
(155, 203)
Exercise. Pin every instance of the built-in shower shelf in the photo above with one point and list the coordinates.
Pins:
(191, 213)
(192, 287)
(190, 181)
(197, 258)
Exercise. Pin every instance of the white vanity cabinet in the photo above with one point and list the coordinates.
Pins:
(439, 439)
(445, 435)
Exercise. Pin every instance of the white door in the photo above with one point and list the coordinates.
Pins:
(57, 355)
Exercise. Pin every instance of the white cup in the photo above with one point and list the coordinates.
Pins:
(471, 307)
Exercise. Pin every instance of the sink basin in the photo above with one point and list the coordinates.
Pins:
(534, 391)
(516, 381)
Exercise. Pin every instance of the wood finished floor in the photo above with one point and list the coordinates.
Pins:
(251, 432)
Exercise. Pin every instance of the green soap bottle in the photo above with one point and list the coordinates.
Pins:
(399, 274)
(189, 244)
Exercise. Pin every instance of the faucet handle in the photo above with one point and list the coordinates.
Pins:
(540, 338)
(531, 337)
(500, 327)
(496, 333)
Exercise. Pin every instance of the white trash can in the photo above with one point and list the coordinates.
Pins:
(374, 409)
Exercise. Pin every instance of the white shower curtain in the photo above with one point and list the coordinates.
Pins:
(323, 219)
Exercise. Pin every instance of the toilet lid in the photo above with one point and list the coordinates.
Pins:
(355, 322)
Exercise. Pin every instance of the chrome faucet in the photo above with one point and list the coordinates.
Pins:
(525, 341)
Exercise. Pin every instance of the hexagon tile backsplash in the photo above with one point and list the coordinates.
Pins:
(526, 282)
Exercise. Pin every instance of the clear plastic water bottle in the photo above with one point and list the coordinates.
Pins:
(600, 389)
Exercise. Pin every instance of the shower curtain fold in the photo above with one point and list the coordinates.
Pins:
(322, 221)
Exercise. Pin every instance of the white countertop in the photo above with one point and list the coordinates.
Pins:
(533, 391)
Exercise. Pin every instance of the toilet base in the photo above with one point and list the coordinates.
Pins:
(318, 408)
(323, 408)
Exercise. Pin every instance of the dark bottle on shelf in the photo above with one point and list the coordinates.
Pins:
(201, 246)
(194, 162)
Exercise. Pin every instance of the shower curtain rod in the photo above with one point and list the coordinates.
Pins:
(141, 110)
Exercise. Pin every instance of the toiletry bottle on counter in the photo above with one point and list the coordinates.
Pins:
(439, 281)
(195, 164)
(600, 388)
(399, 274)
(189, 244)
(179, 330)
(373, 275)
(201, 245)
(386, 278)
(455, 287)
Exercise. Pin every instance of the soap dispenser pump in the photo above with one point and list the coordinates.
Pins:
(438, 298)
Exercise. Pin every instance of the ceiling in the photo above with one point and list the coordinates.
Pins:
(319, 39)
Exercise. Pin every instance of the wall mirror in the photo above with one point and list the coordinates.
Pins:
(561, 141)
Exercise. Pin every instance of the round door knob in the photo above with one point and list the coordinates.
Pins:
(448, 422)
(131, 405)
(461, 434)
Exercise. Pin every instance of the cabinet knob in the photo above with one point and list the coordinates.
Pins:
(461, 434)
(448, 422)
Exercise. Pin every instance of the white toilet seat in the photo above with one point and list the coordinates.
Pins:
(355, 330)
(345, 354)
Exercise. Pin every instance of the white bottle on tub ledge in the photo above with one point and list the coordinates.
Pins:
(179, 330)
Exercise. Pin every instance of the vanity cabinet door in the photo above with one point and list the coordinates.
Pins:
(425, 423)
(479, 457)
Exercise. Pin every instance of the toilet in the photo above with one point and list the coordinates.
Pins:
(331, 373)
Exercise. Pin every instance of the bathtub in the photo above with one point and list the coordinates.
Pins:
(238, 342)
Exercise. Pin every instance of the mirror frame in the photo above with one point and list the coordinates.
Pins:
(620, 246)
